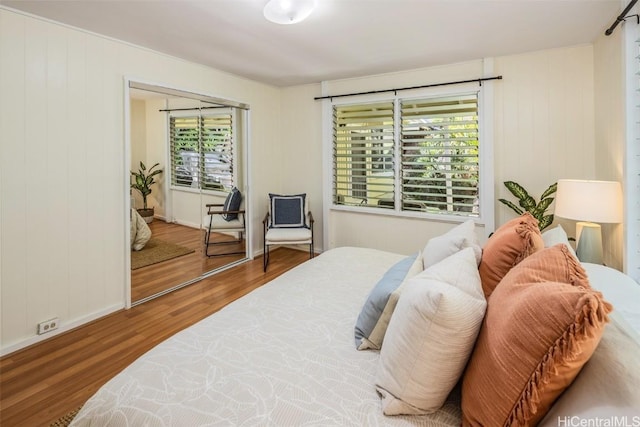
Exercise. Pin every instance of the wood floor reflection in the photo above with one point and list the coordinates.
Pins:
(155, 278)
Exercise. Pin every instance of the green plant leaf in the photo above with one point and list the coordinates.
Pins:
(142, 166)
(545, 222)
(528, 203)
(549, 191)
(517, 190)
(512, 206)
(542, 207)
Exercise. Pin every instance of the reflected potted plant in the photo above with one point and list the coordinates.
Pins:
(143, 180)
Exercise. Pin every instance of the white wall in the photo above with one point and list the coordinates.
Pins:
(62, 178)
(544, 122)
(61, 121)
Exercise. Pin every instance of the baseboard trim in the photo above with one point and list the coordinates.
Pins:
(64, 327)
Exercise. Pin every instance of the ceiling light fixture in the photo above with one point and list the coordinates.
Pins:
(288, 11)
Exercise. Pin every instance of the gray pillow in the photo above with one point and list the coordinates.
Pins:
(378, 297)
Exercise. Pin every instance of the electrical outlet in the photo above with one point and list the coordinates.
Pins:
(47, 326)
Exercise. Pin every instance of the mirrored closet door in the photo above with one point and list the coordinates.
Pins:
(199, 145)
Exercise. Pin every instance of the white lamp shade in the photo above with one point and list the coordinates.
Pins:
(288, 11)
(593, 201)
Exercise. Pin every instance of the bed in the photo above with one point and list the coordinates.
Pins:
(284, 355)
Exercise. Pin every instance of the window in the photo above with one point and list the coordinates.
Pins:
(202, 151)
(426, 162)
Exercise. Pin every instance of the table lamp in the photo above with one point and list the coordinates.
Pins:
(589, 202)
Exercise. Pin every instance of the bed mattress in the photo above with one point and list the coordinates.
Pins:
(282, 355)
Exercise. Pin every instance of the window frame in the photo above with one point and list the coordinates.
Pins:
(485, 153)
(234, 151)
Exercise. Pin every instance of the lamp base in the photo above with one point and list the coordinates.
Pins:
(589, 237)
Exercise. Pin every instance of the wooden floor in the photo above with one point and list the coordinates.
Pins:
(155, 278)
(45, 381)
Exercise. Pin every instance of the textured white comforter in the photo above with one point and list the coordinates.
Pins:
(283, 355)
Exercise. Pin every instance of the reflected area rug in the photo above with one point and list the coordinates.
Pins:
(156, 251)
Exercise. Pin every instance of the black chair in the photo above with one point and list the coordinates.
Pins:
(227, 217)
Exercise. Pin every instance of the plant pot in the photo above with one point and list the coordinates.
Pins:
(146, 214)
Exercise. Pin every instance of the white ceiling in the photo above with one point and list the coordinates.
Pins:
(342, 38)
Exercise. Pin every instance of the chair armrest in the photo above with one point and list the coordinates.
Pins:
(224, 212)
(311, 220)
(266, 218)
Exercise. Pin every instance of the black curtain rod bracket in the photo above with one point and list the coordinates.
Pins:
(395, 91)
(622, 17)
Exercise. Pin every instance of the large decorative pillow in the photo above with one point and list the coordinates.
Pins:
(554, 264)
(232, 203)
(140, 231)
(511, 243)
(607, 385)
(377, 301)
(535, 338)
(456, 239)
(557, 235)
(430, 336)
(287, 211)
(376, 337)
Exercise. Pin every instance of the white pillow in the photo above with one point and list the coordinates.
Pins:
(431, 336)
(375, 339)
(557, 235)
(454, 240)
(140, 231)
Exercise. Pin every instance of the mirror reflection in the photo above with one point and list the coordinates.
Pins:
(187, 188)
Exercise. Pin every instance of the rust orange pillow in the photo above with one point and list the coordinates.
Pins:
(511, 243)
(553, 264)
(534, 340)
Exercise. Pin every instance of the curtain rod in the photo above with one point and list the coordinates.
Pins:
(194, 108)
(622, 17)
(480, 80)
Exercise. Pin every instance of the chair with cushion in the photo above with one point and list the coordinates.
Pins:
(287, 222)
(227, 217)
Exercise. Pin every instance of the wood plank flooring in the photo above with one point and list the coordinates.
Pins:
(41, 383)
(150, 280)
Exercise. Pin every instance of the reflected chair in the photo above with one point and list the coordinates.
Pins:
(227, 217)
(287, 222)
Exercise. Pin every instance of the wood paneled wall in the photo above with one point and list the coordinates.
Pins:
(62, 178)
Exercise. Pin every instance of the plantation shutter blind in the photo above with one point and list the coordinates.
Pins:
(217, 148)
(184, 144)
(440, 161)
(202, 151)
(363, 155)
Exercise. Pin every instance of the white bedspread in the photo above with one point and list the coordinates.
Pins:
(281, 356)
(619, 289)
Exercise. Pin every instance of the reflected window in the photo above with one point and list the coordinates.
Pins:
(202, 149)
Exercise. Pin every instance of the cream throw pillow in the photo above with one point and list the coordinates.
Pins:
(557, 235)
(454, 240)
(374, 341)
(140, 231)
(431, 336)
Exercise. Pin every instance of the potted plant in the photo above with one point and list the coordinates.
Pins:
(143, 180)
(529, 204)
